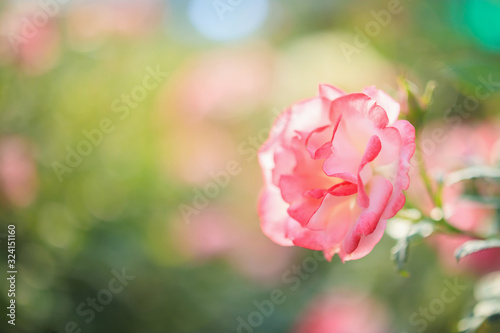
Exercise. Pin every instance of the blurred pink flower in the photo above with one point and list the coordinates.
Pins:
(90, 23)
(226, 83)
(468, 216)
(32, 45)
(446, 150)
(214, 232)
(210, 233)
(18, 176)
(259, 259)
(343, 312)
(335, 167)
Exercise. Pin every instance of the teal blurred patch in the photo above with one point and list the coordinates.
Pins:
(479, 18)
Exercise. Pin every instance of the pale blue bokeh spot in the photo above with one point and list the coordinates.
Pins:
(224, 20)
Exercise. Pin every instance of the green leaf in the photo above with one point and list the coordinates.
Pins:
(399, 255)
(485, 316)
(488, 287)
(492, 201)
(474, 246)
(416, 107)
(472, 173)
(430, 87)
(490, 324)
(400, 251)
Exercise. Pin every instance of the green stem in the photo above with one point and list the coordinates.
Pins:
(445, 227)
(441, 225)
(435, 197)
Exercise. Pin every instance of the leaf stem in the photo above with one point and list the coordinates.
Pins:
(445, 227)
(435, 197)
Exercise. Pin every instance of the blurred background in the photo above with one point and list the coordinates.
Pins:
(128, 139)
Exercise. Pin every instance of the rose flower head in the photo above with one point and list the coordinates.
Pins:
(335, 167)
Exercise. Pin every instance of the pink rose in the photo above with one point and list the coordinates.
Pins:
(344, 312)
(335, 167)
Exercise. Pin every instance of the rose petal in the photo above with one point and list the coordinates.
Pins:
(273, 216)
(329, 92)
(372, 150)
(391, 107)
(379, 196)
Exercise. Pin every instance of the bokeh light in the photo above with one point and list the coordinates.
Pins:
(227, 20)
